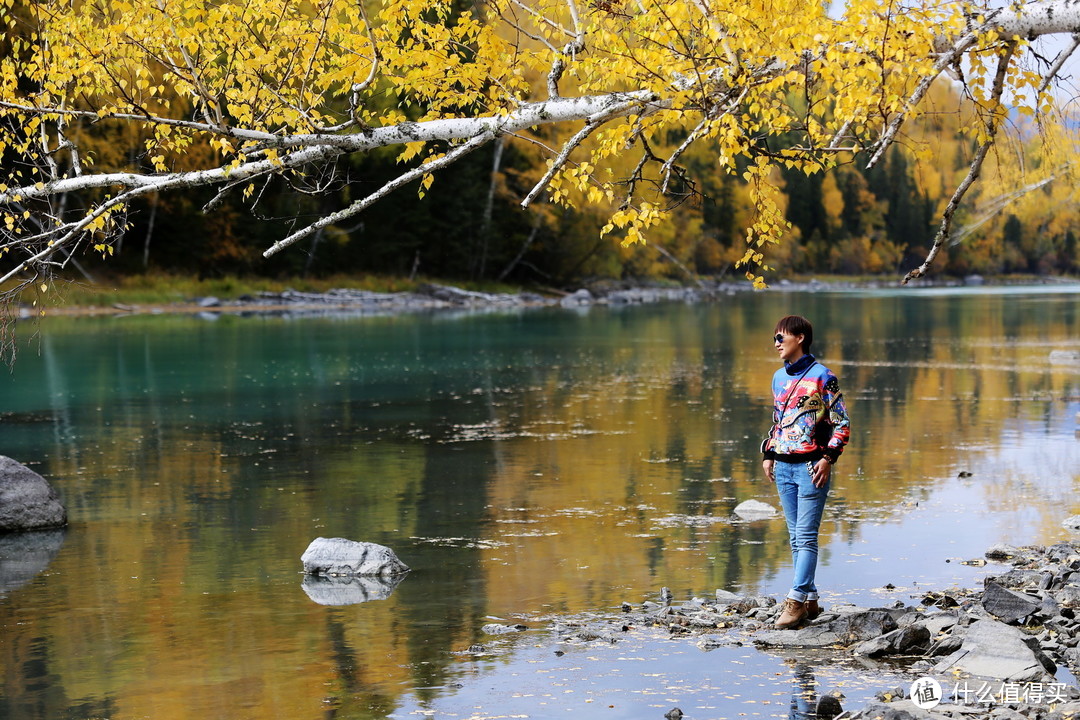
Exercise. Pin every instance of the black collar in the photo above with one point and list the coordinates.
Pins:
(799, 365)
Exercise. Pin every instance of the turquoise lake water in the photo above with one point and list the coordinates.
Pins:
(527, 465)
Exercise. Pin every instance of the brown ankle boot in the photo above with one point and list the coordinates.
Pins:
(812, 609)
(794, 614)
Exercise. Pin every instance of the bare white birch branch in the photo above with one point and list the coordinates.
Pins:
(239, 133)
(993, 118)
(994, 207)
(1027, 20)
(403, 179)
(1059, 62)
(316, 147)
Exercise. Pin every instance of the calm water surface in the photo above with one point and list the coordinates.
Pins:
(524, 465)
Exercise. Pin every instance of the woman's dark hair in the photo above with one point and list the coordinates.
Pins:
(797, 325)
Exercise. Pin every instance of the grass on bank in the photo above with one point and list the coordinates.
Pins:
(168, 289)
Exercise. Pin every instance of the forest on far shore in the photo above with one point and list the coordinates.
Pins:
(469, 225)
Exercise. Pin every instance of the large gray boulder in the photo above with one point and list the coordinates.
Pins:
(338, 557)
(27, 500)
(992, 649)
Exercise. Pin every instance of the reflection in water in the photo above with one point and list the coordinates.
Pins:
(803, 693)
(521, 464)
(350, 590)
(23, 555)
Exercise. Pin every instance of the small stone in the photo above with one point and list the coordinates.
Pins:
(578, 297)
(1017, 579)
(1064, 357)
(896, 693)
(755, 510)
(1049, 608)
(674, 714)
(500, 629)
(873, 648)
(724, 597)
(1004, 713)
(911, 640)
(941, 600)
(1070, 709)
(1008, 605)
(744, 605)
(1068, 597)
(946, 645)
(938, 623)
(828, 707)
(1001, 551)
(1071, 523)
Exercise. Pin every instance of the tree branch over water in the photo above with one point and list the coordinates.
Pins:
(216, 97)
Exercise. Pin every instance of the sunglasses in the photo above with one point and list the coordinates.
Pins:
(778, 338)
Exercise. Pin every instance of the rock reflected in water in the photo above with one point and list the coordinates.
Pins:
(24, 555)
(349, 590)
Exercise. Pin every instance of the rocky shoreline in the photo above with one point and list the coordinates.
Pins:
(430, 296)
(436, 297)
(1010, 651)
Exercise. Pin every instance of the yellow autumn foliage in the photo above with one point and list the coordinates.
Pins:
(222, 93)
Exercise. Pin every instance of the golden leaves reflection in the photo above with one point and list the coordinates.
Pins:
(592, 474)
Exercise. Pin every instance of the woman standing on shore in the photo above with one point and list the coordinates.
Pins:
(810, 429)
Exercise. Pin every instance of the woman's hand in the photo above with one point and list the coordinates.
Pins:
(822, 472)
(767, 465)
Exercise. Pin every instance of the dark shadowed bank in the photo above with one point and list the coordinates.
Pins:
(1007, 652)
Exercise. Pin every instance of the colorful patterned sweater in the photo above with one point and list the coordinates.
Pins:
(809, 416)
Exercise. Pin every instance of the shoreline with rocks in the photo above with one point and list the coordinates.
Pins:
(1010, 651)
(430, 297)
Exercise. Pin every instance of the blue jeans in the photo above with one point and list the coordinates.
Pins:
(803, 505)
